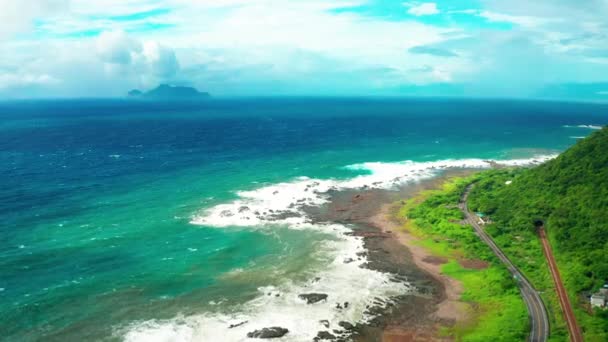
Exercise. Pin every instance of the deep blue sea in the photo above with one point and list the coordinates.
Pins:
(171, 222)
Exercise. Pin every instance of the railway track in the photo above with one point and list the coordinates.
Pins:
(564, 301)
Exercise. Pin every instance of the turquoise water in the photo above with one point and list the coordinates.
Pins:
(108, 229)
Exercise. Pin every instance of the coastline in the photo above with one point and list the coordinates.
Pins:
(379, 289)
(435, 304)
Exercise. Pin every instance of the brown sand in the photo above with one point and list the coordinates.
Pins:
(450, 309)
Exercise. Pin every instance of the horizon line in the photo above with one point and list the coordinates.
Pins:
(301, 96)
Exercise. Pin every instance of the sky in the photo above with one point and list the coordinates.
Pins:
(471, 48)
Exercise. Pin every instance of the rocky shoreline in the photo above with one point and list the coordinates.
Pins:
(415, 316)
(434, 301)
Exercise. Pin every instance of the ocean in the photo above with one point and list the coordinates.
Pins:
(143, 221)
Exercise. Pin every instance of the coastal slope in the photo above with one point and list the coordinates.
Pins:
(570, 196)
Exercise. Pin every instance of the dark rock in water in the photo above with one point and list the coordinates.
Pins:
(346, 325)
(273, 332)
(375, 311)
(346, 305)
(324, 335)
(243, 208)
(312, 298)
(348, 260)
(237, 324)
(226, 213)
(285, 215)
(324, 322)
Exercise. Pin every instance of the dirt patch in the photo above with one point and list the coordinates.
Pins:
(474, 264)
(448, 310)
(401, 334)
(434, 260)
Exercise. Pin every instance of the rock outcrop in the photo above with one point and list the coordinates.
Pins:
(272, 332)
(312, 298)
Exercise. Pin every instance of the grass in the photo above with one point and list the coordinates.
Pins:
(500, 313)
(496, 310)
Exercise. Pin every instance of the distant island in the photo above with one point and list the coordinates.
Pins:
(168, 92)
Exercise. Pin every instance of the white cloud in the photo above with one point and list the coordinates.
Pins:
(149, 62)
(442, 75)
(578, 11)
(112, 7)
(231, 46)
(296, 42)
(17, 15)
(421, 9)
(525, 21)
(115, 47)
(306, 27)
(19, 80)
(160, 59)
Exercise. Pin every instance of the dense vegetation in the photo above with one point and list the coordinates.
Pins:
(497, 312)
(570, 194)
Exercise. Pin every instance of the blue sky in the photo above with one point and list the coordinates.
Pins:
(476, 48)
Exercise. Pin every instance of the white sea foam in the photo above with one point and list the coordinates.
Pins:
(265, 205)
(343, 280)
(584, 126)
(282, 203)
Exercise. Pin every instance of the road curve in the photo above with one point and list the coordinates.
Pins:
(539, 321)
(564, 301)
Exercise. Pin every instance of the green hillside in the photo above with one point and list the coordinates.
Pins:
(570, 194)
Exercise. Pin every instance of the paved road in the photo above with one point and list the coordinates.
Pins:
(539, 321)
(564, 301)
